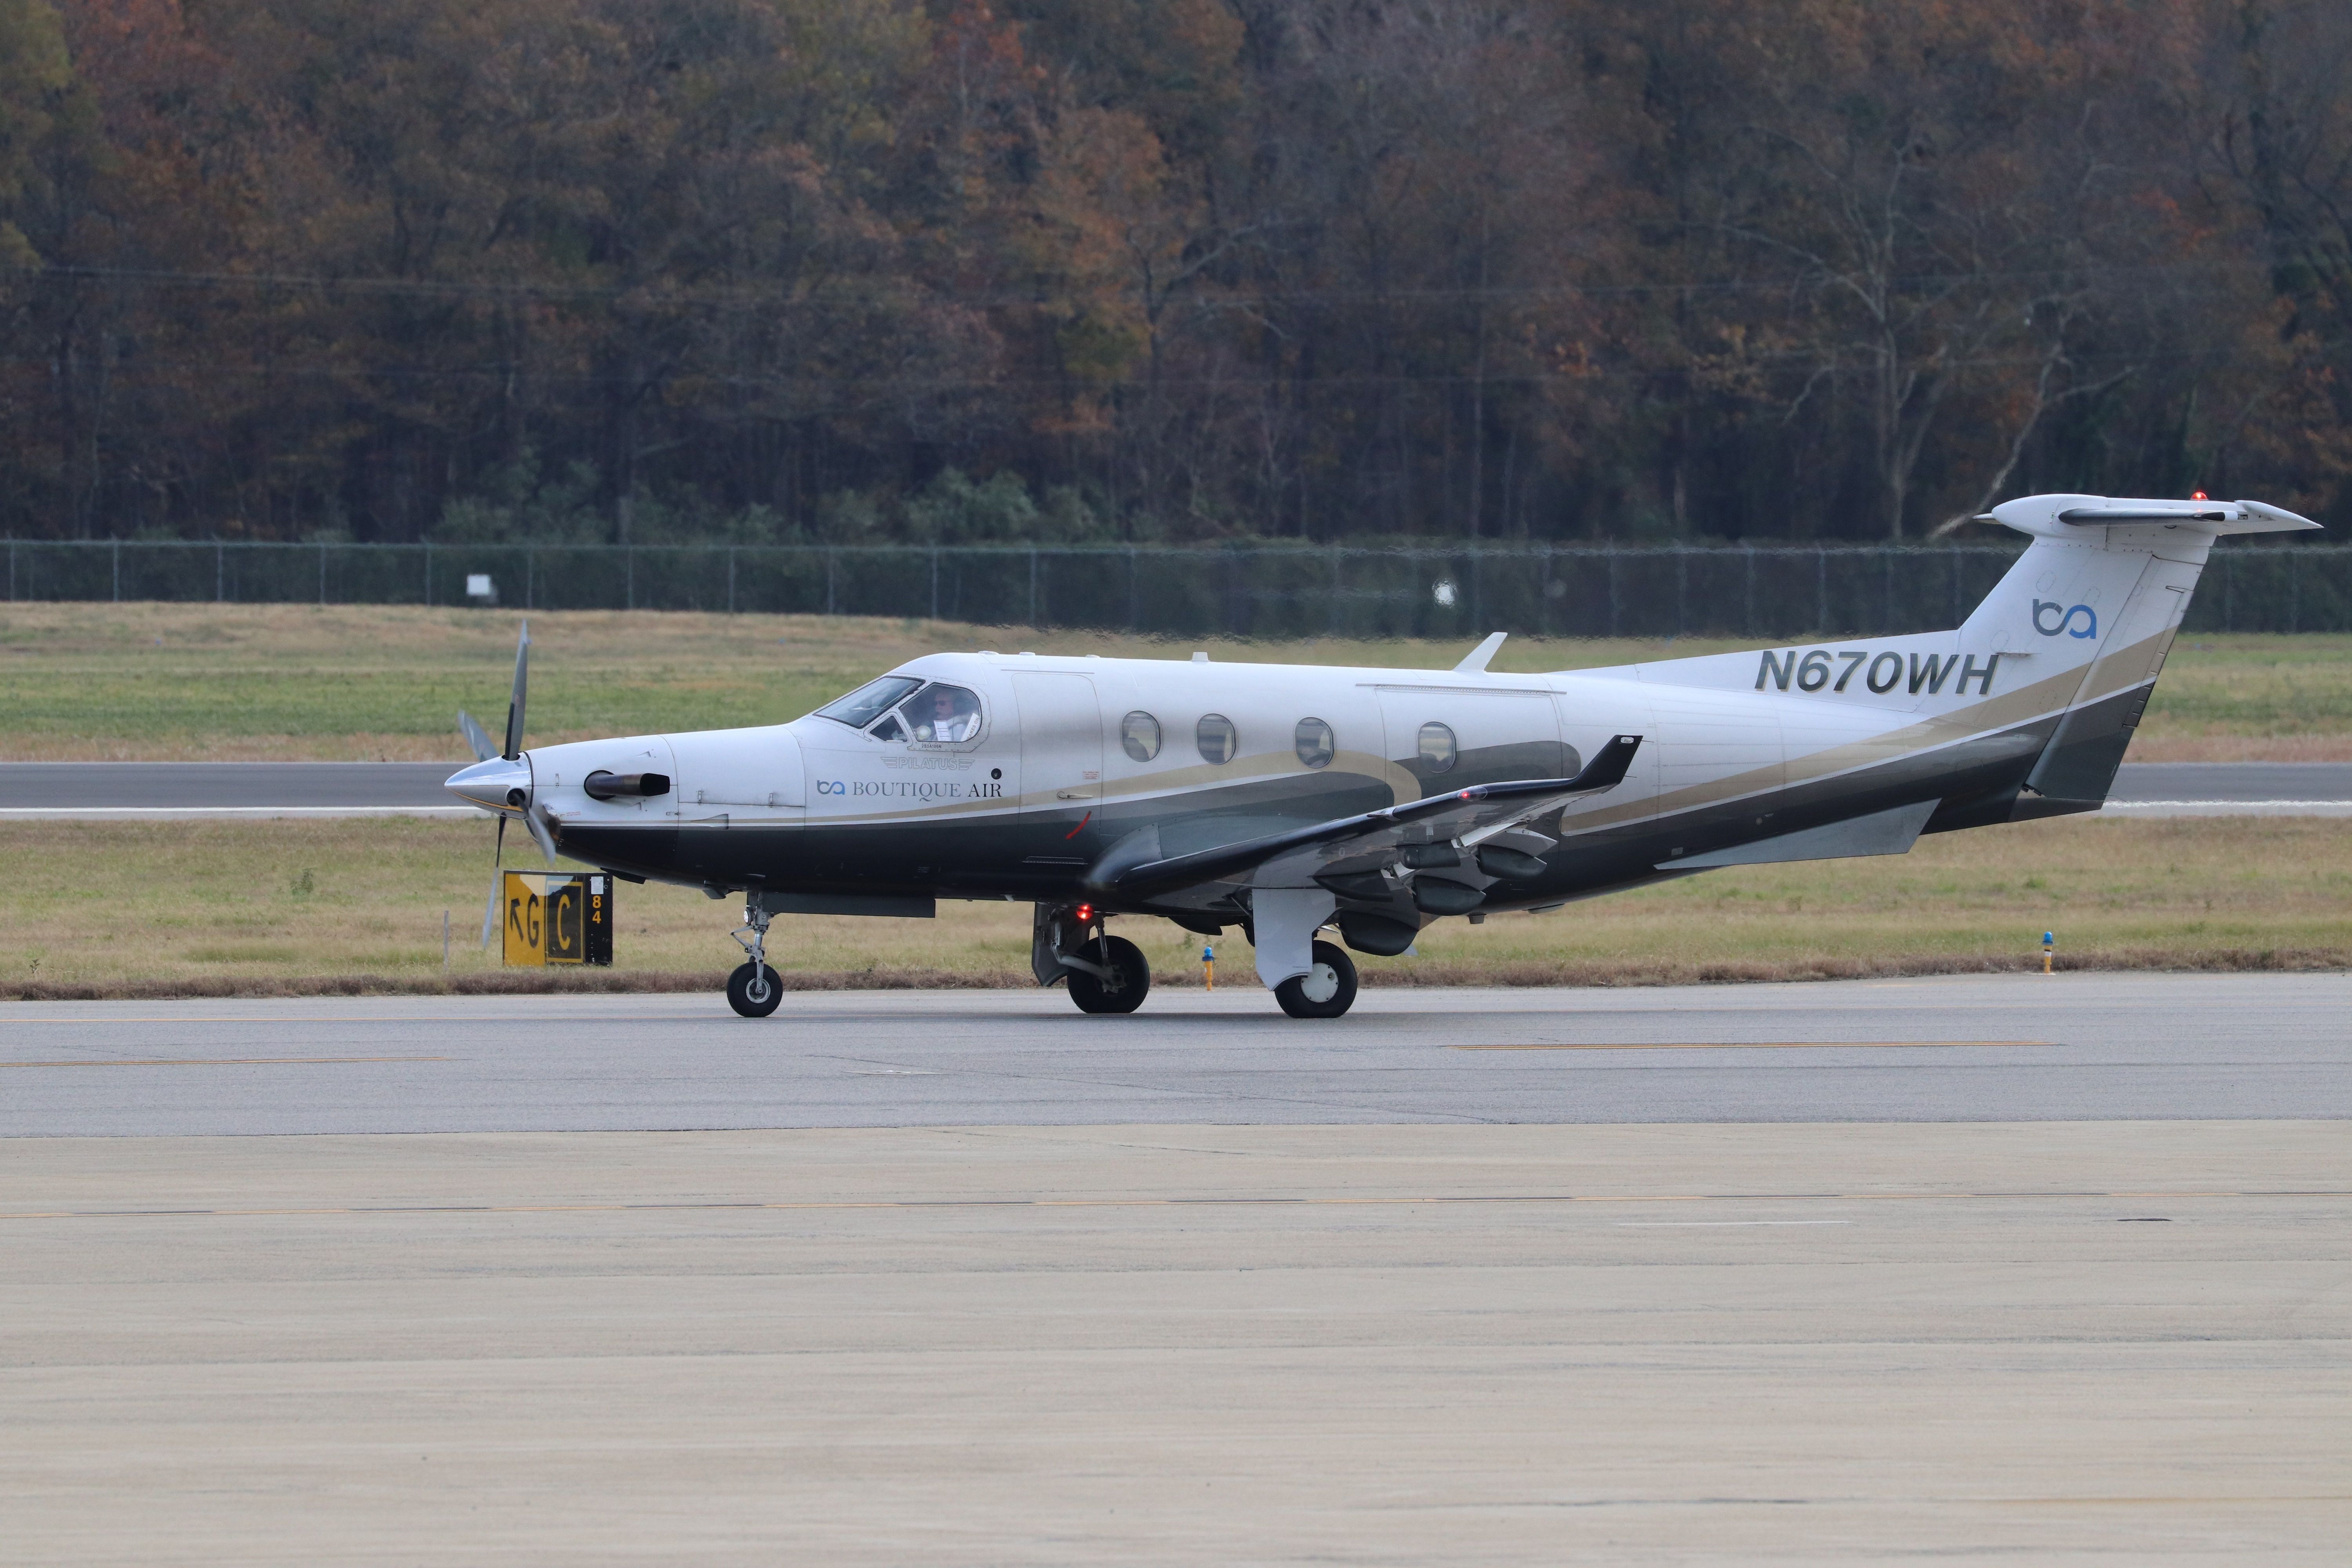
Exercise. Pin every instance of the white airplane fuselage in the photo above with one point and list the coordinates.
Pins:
(1074, 770)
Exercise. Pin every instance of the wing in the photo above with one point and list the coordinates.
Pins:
(1293, 859)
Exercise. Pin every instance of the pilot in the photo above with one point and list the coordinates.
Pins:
(945, 715)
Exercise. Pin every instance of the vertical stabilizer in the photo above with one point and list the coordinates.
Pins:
(2093, 604)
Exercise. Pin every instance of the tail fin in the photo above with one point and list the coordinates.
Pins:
(2100, 591)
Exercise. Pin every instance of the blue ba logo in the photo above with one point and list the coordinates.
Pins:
(831, 786)
(2065, 623)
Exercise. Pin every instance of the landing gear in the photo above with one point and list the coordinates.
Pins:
(753, 989)
(1325, 991)
(1117, 977)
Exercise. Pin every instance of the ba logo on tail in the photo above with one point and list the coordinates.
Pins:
(2065, 619)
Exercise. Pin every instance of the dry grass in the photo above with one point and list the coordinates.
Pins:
(286, 681)
(170, 907)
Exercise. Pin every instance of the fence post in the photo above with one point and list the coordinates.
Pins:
(220, 572)
(118, 571)
(730, 581)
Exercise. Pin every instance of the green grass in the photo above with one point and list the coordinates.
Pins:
(234, 681)
(232, 905)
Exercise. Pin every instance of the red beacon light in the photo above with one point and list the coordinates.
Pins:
(1085, 913)
(2198, 495)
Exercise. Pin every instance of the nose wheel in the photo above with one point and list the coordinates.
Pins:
(753, 989)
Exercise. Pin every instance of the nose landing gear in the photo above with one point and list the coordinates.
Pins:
(753, 989)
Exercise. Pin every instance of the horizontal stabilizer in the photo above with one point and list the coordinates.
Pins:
(2056, 516)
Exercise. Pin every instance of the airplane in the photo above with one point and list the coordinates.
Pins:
(1290, 800)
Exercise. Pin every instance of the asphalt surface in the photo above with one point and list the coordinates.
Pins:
(123, 789)
(2093, 1047)
(101, 789)
(2115, 1342)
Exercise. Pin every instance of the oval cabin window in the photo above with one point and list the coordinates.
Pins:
(1314, 743)
(1218, 739)
(1438, 751)
(1139, 733)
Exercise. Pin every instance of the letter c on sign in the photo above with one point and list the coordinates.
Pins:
(2040, 625)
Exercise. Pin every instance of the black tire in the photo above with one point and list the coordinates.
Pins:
(1325, 991)
(754, 990)
(1130, 982)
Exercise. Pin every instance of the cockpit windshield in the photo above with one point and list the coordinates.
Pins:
(858, 709)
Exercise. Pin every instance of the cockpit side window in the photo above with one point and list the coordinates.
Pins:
(942, 715)
(858, 709)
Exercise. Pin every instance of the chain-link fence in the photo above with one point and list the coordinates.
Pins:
(1255, 591)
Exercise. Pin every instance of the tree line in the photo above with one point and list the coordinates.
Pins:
(1163, 269)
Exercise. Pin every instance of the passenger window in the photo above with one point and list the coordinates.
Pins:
(1139, 735)
(942, 715)
(1438, 751)
(1314, 744)
(1219, 740)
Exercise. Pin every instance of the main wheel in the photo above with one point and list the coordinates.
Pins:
(1129, 981)
(1325, 991)
(754, 990)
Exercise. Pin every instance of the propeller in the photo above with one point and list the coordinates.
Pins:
(478, 741)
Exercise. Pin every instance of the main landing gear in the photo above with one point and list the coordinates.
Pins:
(1106, 974)
(1326, 990)
(753, 989)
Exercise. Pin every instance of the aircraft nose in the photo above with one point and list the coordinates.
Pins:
(501, 783)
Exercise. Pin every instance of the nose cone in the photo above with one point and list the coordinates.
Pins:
(500, 785)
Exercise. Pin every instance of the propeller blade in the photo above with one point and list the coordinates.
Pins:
(497, 881)
(539, 831)
(478, 740)
(515, 703)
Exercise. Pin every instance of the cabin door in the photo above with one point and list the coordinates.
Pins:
(1061, 755)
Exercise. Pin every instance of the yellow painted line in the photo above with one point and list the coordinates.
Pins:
(218, 1061)
(1759, 1045)
(1462, 1200)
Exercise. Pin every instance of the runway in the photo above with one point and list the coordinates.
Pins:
(2089, 1047)
(2046, 1343)
(2027, 1270)
(165, 790)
